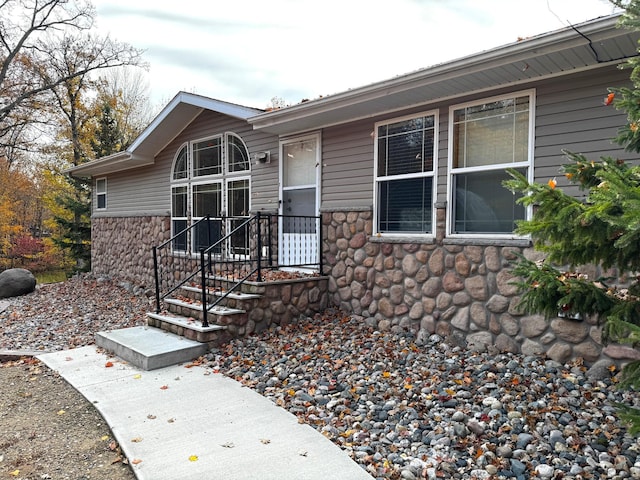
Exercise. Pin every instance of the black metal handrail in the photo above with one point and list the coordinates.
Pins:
(250, 248)
(160, 294)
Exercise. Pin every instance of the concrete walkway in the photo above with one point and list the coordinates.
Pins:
(192, 423)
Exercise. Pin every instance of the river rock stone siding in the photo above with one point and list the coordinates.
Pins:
(121, 247)
(460, 292)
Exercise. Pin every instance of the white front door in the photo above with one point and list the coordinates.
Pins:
(300, 173)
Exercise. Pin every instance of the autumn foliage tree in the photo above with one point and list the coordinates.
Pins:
(49, 79)
(21, 213)
(603, 229)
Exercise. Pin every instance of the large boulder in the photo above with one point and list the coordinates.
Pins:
(15, 282)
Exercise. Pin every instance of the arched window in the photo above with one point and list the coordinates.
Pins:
(180, 165)
(210, 177)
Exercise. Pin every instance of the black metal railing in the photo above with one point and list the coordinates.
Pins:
(251, 247)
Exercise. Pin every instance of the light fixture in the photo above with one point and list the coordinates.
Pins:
(262, 157)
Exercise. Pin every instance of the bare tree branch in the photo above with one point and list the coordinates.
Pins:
(46, 48)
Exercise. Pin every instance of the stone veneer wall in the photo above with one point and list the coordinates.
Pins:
(121, 247)
(460, 292)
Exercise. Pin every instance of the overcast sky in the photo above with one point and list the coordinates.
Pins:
(249, 51)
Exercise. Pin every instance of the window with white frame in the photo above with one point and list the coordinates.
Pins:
(210, 177)
(404, 181)
(486, 138)
(101, 193)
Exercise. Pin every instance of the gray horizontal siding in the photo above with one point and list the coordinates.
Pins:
(443, 149)
(570, 115)
(146, 191)
(347, 166)
(264, 176)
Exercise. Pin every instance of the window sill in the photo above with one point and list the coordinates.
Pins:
(422, 239)
(497, 242)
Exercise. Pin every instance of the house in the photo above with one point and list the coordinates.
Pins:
(410, 226)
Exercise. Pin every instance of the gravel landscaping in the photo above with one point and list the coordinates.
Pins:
(424, 409)
(402, 407)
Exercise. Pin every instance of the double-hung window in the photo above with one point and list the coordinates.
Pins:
(404, 175)
(210, 177)
(485, 139)
(101, 193)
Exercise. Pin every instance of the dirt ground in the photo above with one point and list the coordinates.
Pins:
(50, 431)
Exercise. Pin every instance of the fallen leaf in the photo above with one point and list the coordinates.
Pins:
(104, 438)
(137, 377)
(61, 412)
(151, 417)
(164, 387)
(171, 420)
(303, 453)
(193, 458)
(136, 461)
(228, 445)
(108, 364)
(113, 445)
(15, 473)
(136, 440)
(265, 440)
(609, 98)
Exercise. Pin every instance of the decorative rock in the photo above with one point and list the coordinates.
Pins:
(544, 471)
(15, 282)
(480, 341)
(523, 440)
(529, 347)
(559, 352)
(504, 343)
(599, 371)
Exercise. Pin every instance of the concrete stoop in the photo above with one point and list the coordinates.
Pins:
(150, 348)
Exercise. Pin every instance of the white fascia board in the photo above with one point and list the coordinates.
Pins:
(113, 163)
(205, 103)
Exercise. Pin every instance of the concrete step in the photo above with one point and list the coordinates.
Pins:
(188, 327)
(197, 306)
(150, 348)
(184, 322)
(220, 293)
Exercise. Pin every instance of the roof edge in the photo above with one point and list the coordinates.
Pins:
(204, 103)
(116, 162)
(485, 59)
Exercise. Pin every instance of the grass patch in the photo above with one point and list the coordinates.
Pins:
(51, 276)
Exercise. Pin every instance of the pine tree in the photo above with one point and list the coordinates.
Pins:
(109, 137)
(602, 229)
(74, 222)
